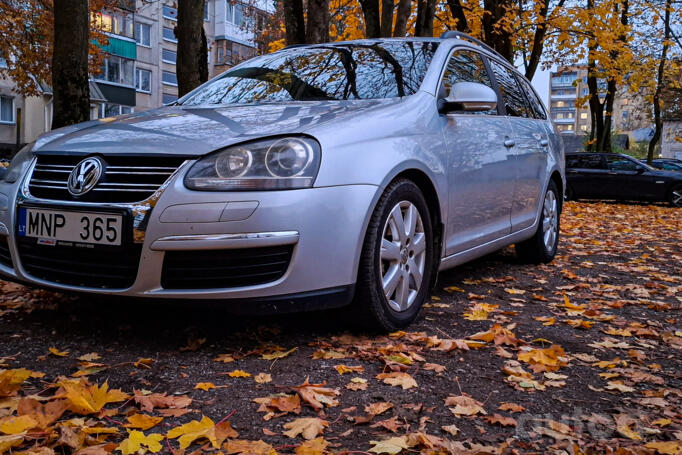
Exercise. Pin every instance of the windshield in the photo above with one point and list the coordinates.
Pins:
(368, 70)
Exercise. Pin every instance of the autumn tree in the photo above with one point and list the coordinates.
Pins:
(192, 62)
(300, 31)
(38, 51)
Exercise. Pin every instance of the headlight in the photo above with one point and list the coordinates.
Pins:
(18, 165)
(274, 164)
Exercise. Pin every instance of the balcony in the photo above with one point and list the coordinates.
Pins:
(565, 96)
(564, 121)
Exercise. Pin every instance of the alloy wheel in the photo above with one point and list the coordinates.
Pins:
(550, 220)
(676, 197)
(402, 256)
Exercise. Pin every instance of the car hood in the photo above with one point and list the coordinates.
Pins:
(197, 130)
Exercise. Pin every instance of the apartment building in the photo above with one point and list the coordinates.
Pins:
(138, 72)
(569, 84)
(230, 29)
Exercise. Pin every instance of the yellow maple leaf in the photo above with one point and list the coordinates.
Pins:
(278, 354)
(142, 421)
(205, 386)
(87, 399)
(398, 379)
(249, 447)
(239, 374)
(204, 429)
(225, 358)
(9, 441)
(138, 442)
(262, 378)
(307, 427)
(317, 446)
(17, 425)
(549, 359)
(57, 352)
(666, 448)
(343, 369)
(391, 446)
(11, 380)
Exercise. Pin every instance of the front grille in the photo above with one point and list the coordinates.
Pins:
(5, 257)
(125, 178)
(219, 269)
(101, 267)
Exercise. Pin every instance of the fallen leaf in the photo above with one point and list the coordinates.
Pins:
(205, 386)
(317, 446)
(142, 421)
(138, 442)
(249, 447)
(204, 429)
(278, 354)
(85, 398)
(398, 379)
(391, 446)
(239, 374)
(263, 378)
(307, 427)
(56, 352)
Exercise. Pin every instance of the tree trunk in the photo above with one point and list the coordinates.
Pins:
(387, 7)
(495, 37)
(611, 84)
(191, 64)
(457, 12)
(294, 22)
(70, 86)
(317, 29)
(660, 75)
(404, 9)
(426, 10)
(539, 38)
(370, 11)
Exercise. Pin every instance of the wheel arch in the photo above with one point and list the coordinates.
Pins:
(559, 182)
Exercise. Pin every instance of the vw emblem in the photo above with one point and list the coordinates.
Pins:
(85, 176)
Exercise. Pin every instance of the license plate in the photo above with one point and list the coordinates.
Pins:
(52, 226)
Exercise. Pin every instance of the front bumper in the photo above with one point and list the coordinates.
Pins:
(323, 226)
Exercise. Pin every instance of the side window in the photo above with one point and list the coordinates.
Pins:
(618, 163)
(535, 103)
(584, 161)
(514, 99)
(466, 66)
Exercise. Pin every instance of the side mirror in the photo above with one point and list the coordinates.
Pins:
(470, 97)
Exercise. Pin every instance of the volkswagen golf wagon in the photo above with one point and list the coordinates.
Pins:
(317, 176)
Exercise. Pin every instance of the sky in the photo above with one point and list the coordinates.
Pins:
(541, 84)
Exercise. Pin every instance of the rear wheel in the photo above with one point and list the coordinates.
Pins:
(397, 260)
(675, 198)
(542, 247)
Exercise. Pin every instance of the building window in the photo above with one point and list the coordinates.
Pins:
(3, 63)
(560, 104)
(206, 11)
(143, 80)
(6, 109)
(169, 56)
(118, 70)
(143, 34)
(112, 110)
(583, 115)
(626, 102)
(169, 35)
(168, 98)
(583, 127)
(117, 23)
(625, 114)
(585, 91)
(169, 78)
(235, 13)
(170, 13)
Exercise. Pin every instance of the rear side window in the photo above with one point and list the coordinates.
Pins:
(514, 99)
(466, 66)
(585, 161)
(535, 103)
(618, 163)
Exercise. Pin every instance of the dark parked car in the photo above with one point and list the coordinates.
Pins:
(668, 164)
(616, 176)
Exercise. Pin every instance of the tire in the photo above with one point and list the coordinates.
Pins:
(542, 247)
(675, 197)
(371, 307)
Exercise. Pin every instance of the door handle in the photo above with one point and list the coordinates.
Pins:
(509, 143)
(544, 142)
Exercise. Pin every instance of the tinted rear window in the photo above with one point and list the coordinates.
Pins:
(584, 162)
(369, 70)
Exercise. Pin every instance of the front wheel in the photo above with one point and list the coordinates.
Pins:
(397, 260)
(675, 198)
(542, 247)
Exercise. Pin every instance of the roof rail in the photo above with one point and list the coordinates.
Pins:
(291, 46)
(464, 36)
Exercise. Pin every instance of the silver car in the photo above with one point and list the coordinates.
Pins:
(317, 176)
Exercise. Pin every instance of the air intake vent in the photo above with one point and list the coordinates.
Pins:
(125, 178)
(220, 269)
(5, 257)
(101, 267)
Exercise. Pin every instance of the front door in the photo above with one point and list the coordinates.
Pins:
(480, 174)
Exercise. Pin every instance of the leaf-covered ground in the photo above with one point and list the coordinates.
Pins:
(579, 356)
